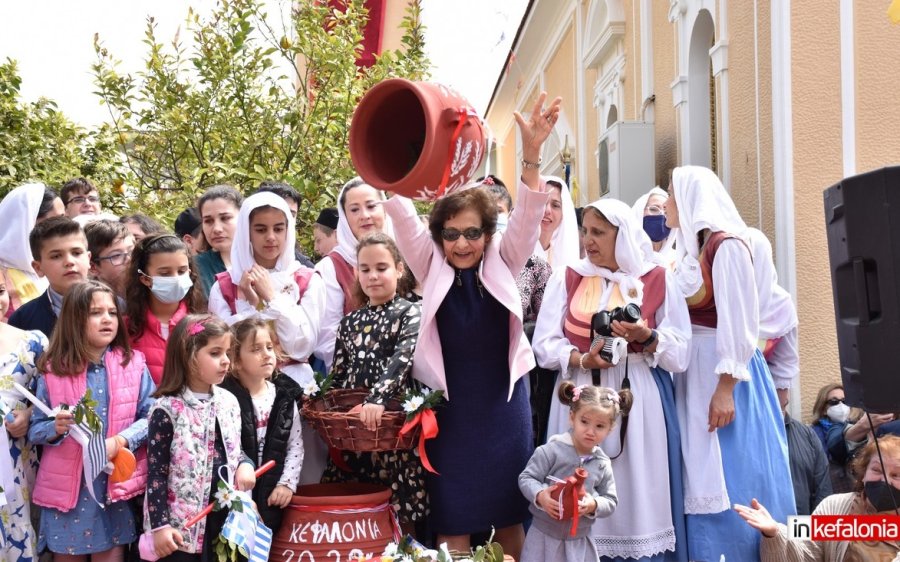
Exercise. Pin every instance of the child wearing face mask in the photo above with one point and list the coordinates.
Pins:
(161, 290)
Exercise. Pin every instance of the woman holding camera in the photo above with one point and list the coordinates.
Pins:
(732, 430)
(580, 330)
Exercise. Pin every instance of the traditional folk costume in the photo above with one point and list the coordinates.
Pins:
(296, 309)
(747, 458)
(337, 272)
(18, 215)
(648, 470)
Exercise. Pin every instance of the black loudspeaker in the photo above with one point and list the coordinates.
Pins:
(862, 220)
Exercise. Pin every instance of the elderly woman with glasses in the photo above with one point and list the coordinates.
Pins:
(617, 274)
(472, 347)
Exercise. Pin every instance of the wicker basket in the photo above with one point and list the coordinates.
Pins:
(346, 432)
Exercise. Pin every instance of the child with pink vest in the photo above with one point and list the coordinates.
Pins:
(89, 351)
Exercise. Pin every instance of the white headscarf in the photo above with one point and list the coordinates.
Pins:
(346, 240)
(662, 257)
(702, 203)
(777, 313)
(18, 215)
(241, 249)
(632, 251)
(564, 248)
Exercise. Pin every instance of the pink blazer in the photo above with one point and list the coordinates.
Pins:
(504, 258)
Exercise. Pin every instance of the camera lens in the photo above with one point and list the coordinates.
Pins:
(631, 313)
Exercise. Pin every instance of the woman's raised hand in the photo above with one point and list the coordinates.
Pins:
(535, 131)
(757, 516)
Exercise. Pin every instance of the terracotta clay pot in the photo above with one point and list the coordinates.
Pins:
(339, 521)
(418, 139)
(569, 490)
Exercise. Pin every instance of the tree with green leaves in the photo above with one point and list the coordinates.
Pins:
(248, 101)
(38, 142)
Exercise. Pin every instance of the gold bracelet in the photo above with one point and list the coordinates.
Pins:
(581, 361)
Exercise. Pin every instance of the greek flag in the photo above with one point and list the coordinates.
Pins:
(93, 450)
(246, 530)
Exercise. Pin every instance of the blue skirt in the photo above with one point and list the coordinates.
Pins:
(755, 463)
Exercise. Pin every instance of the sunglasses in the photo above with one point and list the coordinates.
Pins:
(452, 234)
(836, 401)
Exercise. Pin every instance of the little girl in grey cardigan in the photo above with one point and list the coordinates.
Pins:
(593, 412)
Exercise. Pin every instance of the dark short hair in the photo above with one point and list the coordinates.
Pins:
(50, 195)
(497, 189)
(76, 186)
(102, 234)
(55, 227)
(221, 191)
(147, 224)
(280, 189)
(450, 206)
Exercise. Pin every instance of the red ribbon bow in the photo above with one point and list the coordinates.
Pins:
(429, 431)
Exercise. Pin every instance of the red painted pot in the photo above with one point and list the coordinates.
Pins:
(418, 139)
(335, 522)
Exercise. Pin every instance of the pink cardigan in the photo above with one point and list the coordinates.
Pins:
(504, 258)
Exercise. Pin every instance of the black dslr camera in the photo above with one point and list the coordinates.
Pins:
(601, 328)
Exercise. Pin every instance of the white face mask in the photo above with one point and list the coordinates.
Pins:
(838, 413)
(502, 221)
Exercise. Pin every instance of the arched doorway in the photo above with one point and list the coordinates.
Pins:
(701, 94)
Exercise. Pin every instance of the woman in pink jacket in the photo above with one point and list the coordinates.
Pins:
(472, 347)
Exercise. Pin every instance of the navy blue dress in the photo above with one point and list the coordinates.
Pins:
(484, 441)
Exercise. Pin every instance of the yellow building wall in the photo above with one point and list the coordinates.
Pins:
(391, 32)
(877, 87)
(664, 72)
(591, 168)
(816, 107)
(752, 176)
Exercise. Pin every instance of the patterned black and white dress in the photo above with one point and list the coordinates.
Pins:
(374, 349)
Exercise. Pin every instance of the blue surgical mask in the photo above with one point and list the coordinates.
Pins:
(502, 221)
(170, 290)
(655, 227)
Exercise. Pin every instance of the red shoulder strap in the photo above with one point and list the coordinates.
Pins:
(229, 292)
(344, 274)
(302, 277)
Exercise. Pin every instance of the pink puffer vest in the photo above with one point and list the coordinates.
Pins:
(152, 344)
(59, 477)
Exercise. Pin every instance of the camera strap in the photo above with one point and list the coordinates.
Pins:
(623, 427)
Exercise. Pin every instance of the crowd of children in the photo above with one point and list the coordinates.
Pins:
(197, 366)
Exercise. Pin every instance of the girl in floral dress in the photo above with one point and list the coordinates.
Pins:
(374, 350)
(195, 429)
(18, 460)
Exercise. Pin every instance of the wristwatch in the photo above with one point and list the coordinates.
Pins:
(532, 165)
(649, 341)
